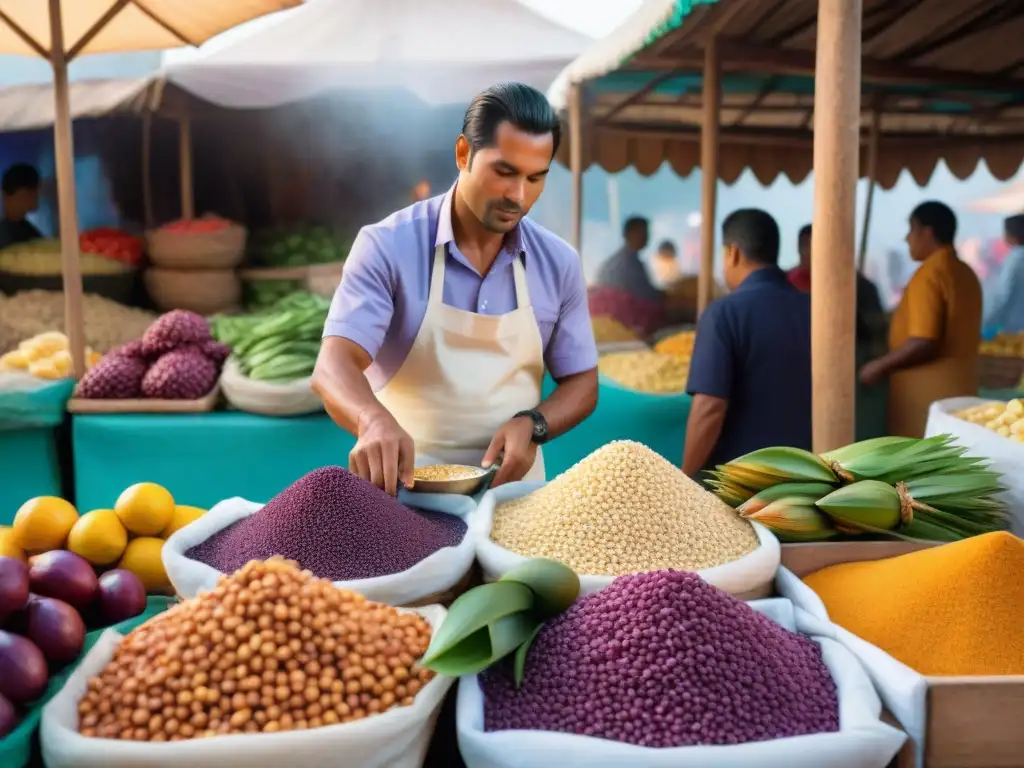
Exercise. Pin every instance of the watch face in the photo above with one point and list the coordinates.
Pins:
(538, 429)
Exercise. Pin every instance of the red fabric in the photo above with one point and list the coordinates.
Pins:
(800, 278)
(643, 317)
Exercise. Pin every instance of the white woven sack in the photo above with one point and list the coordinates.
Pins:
(741, 577)
(176, 249)
(862, 741)
(398, 738)
(1004, 455)
(903, 691)
(292, 398)
(434, 574)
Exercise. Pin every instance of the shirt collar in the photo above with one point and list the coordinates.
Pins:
(446, 233)
(762, 276)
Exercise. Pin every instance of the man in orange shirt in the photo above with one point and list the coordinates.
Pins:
(936, 329)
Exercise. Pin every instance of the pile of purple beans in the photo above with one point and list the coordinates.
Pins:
(663, 659)
(335, 525)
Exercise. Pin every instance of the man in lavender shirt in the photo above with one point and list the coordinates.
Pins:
(450, 310)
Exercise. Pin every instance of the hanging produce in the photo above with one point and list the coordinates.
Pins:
(905, 487)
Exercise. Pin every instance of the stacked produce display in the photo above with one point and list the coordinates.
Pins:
(1005, 419)
(112, 243)
(623, 509)
(678, 344)
(645, 370)
(289, 259)
(130, 536)
(107, 324)
(608, 330)
(282, 651)
(193, 264)
(335, 525)
(42, 258)
(895, 486)
(176, 359)
(953, 609)
(1004, 345)
(45, 608)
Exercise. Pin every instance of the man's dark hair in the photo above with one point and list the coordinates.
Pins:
(939, 218)
(755, 233)
(805, 235)
(634, 224)
(1014, 226)
(524, 107)
(667, 245)
(18, 177)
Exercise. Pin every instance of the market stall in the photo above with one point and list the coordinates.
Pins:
(735, 84)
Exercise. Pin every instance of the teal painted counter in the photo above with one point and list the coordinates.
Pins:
(204, 458)
(28, 467)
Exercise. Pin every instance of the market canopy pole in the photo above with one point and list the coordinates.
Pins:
(188, 202)
(873, 141)
(711, 116)
(833, 274)
(576, 165)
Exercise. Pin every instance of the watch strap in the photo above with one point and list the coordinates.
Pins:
(540, 425)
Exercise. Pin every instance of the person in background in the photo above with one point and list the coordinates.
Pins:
(750, 373)
(450, 310)
(1006, 311)
(872, 341)
(420, 191)
(20, 187)
(936, 329)
(666, 264)
(624, 271)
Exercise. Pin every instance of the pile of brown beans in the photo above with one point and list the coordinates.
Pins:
(269, 649)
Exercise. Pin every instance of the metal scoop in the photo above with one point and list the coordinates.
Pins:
(463, 486)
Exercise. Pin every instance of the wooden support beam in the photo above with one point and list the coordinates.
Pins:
(837, 90)
(709, 174)
(576, 163)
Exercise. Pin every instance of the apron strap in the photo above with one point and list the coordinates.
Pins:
(522, 291)
(436, 295)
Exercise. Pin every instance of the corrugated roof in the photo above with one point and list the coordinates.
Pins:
(946, 76)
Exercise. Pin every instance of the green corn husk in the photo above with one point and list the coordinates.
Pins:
(762, 499)
(487, 623)
(731, 493)
(794, 519)
(893, 460)
(771, 466)
(865, 505)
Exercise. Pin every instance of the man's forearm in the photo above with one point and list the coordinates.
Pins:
(911, 353)
(703, 429)
(339, 381)
(573, 400)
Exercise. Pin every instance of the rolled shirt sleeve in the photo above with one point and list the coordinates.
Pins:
(363, 305)
(711, 365)
(926, 305)
(572, 348)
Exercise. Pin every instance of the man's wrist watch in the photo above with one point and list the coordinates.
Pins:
(540, 425)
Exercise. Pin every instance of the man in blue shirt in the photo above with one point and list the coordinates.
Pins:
(1006, 311)
(750, 373)
(624, 269)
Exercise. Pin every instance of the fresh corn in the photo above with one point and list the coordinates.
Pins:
(795, 518)
(770, 466)
(1005, 419)
(756, 503)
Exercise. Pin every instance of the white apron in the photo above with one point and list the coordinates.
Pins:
(466, 375)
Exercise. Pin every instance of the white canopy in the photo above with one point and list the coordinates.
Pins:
(444, 51)
(25, 107)
(1009, 200)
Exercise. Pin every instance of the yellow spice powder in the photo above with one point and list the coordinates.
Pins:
(955, 609)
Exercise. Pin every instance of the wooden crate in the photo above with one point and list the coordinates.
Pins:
(972, 721)
(84, 405)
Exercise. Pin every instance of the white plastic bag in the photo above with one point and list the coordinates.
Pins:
(431, 576)
(749, 575)
(904, 691)
(1004, 455)
(862, 741)
(398, 738)
(292, 398)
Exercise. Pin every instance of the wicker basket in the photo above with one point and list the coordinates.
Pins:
(206, 291)
(999, 372)
(199, 250)
(321, 279)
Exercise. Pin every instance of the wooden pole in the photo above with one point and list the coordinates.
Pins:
(709, 173)
(147, 169)
(188, 204)
(837, 83)
(576, 164)
(67, 206)
(873, 141)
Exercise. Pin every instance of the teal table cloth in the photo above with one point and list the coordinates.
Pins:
(30, 467)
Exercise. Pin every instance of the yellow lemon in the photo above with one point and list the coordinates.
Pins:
(43, 523)
(183, 515)
(99, 537)
(142, 557)
(145, 509)
(9, 546)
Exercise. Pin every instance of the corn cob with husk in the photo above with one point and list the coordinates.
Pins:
(897, 486)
